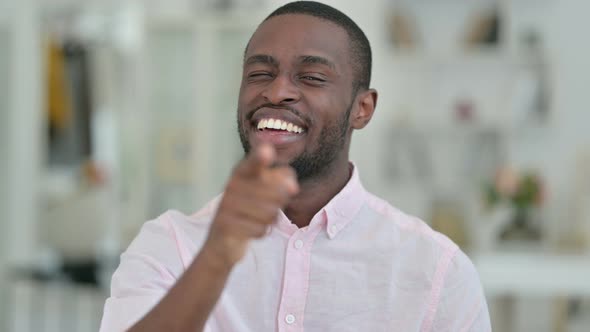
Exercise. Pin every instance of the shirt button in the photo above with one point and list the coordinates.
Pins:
(334, 228)
(290, 319)
(298, 244)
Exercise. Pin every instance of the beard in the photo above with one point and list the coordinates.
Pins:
(316, 163)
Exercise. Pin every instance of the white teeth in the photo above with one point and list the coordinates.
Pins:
(279, 125)
(262, 124)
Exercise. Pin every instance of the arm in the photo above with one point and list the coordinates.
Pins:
(189, 303)
(254, 194)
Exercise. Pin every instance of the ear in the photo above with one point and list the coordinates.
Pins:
(363, 112)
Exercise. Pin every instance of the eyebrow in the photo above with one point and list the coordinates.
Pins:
(304, 59)
(262, 59)
(313, 59)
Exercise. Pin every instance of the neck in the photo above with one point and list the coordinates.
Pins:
(315, 193)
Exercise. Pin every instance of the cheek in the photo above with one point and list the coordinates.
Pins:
(245, 104)
(245, 95)
(250, 91)
(331, 113)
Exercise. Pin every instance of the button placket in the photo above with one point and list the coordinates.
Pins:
(298, 244)
(296, 280)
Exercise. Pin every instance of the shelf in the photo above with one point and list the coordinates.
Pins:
(527, 273)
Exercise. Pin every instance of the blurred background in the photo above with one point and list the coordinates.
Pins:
(112, 112)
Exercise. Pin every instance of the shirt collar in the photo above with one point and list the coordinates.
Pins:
(343, 207)
(335, 215)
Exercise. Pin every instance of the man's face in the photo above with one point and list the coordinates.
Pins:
(297, 70)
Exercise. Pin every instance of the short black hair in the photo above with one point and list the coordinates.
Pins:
(360, 48)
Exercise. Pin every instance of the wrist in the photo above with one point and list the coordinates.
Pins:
(217, 257)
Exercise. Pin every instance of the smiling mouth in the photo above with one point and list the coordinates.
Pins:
(269, 124)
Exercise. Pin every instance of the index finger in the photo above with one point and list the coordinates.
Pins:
(260, 157)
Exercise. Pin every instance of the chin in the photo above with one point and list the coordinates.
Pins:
(283, 158)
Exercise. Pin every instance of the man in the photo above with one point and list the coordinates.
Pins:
(295, 243)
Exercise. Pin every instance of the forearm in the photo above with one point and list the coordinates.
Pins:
(253, 196)
(189, 302)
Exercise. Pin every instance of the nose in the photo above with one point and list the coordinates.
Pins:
(281, 91)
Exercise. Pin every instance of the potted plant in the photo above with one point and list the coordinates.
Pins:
(524, 192)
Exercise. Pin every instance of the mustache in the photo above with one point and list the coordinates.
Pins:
(296, 112)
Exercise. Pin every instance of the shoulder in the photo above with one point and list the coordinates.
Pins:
(409, 229)
(456, 300)
(174, 234)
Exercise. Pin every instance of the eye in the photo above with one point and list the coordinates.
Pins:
(313, 78)
(258, 75)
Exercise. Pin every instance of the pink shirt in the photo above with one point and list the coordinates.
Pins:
(360, 265)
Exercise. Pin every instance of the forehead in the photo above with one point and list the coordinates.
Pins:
(290, 36)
